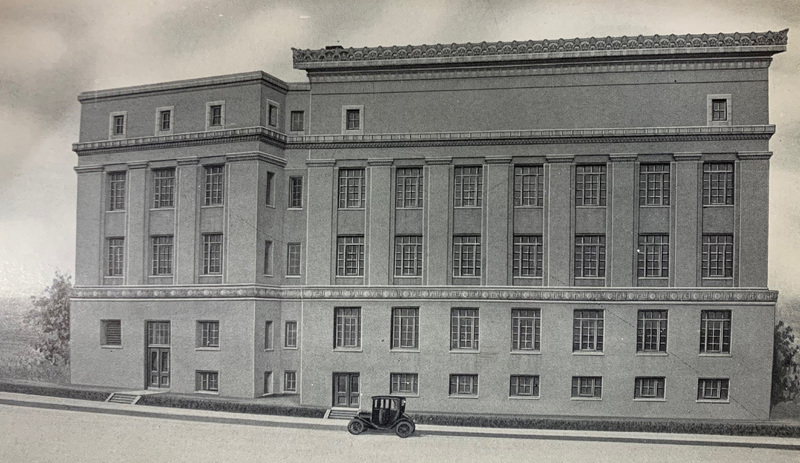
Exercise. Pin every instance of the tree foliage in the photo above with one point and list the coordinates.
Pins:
(50, 317)
(785, 365)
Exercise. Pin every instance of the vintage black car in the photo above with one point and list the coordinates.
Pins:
(388, 413)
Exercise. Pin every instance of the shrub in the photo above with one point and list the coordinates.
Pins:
(221, 405)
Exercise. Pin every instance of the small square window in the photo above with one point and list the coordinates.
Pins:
(353, 120)
(111, 333)
(207, 381)
(524, 386)
(587, 387)
(718, 110)
(404, 383)
(298, 121)
(649, 388)
(713, 389)
(464, 385)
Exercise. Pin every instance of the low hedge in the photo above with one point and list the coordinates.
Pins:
(623, 425)
(222, 405)
(54, 390)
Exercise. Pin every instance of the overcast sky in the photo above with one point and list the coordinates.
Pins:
(52, 50)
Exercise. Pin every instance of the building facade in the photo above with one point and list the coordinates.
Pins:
(571, 227)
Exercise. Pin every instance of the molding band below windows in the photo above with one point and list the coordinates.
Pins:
(570, 295)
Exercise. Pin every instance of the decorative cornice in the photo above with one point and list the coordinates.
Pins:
(339, 58)
(256, 156)
(89, 169)
(573, 295)
(181, 85)
(403, 140)
(754, 155)
(545, 69)
(183, 139)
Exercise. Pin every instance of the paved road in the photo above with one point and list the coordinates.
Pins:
(46, 435)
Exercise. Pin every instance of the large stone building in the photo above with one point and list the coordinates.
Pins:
(567, 227)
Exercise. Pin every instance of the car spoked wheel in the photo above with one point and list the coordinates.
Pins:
(404, 429)
(355, 427)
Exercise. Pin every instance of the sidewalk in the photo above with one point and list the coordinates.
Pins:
(76, 405)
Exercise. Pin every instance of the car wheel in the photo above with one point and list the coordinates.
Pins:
(404, 429)
(355, 427)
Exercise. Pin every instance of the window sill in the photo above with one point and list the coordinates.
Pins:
(211, 349)
(413, 208)
(115, 211)
(218, 274)
(591, 278)
(465, 351)
(714, 354)
(712, 401)
(647, 399)
(526, 352)
(290, 392)
(465, 396)
(400, 350)
(211, 206)
(718, 278)
(268, 275)
(407, 277)
(586, 398)
(207, 392)
(293, 208)
(652, 354)
(590, 206)
(165, 208)
(291, 276)
(110, 347)
(351, 208)
(718, 205)
(290, 348)
(589, 353)
(405, 394)
(271, 206)
(348, 350)
(269, 349)
(652, 278)
(529, 207)
(654, 206)
(467, 207)
(522, 397)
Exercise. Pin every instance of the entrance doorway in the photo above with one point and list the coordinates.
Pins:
(345, 390)
(158, 354)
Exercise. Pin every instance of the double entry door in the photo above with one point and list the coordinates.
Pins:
(345, 390)
(158, 354)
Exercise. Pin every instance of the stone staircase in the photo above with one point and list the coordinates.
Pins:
(337, 413)
(125, 398)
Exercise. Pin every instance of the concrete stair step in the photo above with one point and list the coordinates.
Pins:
(342, 413)
(123, 398)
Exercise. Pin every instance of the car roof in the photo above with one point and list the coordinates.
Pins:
(387, 397)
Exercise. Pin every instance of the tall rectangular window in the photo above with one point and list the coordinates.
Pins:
(214, 185)
(163, 188)
(466, 256)
(590, 256)
(119, 125)
(713, 389)
(717, 256)
(207, 381)
(272, 115)
(653, 256)
(268, 345)
(654, 185)
(651, 331)
(165, 120)
(588, 387)
(114, 256)
(464, 385)
(351, 188)
(270, 189)
(350, 256)
(717, 183)
(719, 110)
(110, 332)
(116, 191)
(405, 328)
(290, 381)
(587, 331)
(408, 256)
(290, 335)
(267, 382)
(298, 121)
(212, 254)
(527, 256)
(715, 331)
(353, 119)
(215, 115)
(526, 329)
(162, 255)
(404, 383)
(347, 327)
(208, 334)
(295, 192)
(408, 187)
(267, 257)
(524, 386)
(464, 324)
(649, 388)
(293, 259)
(468, 186)
(590, 185)
(528, 186)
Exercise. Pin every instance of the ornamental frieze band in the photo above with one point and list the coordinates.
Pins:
(403, 293)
